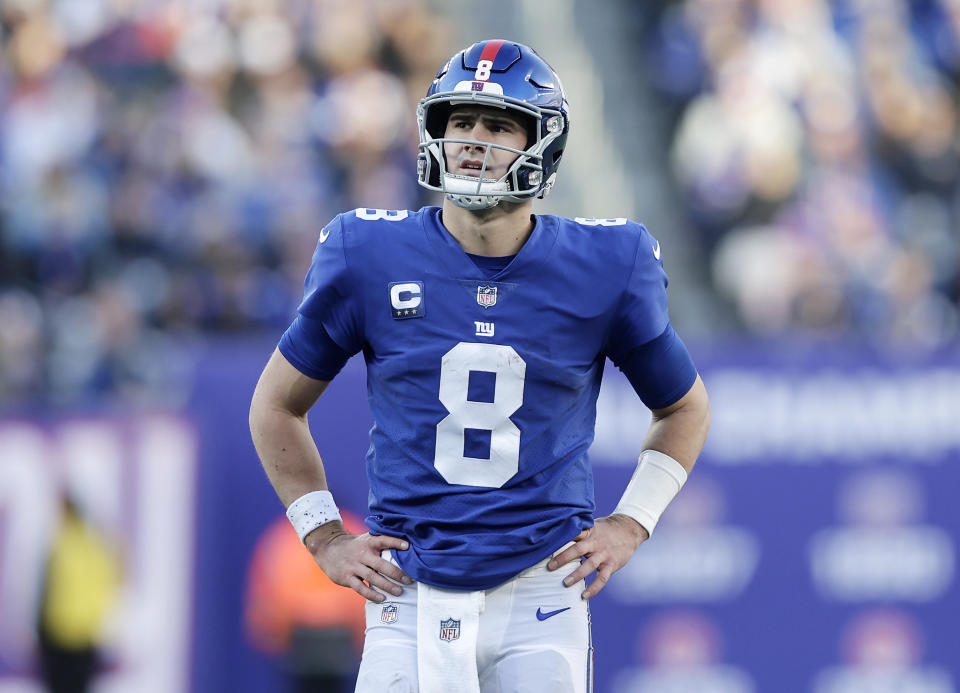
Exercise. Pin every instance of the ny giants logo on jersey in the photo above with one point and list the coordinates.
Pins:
(484, 329)
(389, 613)
(450, 629)
(487, 296)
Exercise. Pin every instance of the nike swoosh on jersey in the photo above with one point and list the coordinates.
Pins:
(324, 235)
(541, 616)
(656, 250)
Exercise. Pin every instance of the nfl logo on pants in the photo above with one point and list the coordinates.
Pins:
(450, 629)
(389, 613)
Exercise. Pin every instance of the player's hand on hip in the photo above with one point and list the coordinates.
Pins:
(605, 548)
(354, 560)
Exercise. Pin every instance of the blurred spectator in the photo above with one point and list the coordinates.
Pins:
(295, 611)
(817, 150)
(165, 168)
(81, 586)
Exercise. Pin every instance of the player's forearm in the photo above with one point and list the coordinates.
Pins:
(681, 430)
(287, 451)
(674, 441)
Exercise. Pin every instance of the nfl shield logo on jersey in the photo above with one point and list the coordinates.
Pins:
(450, 629)
(487, 296)
(389, 613)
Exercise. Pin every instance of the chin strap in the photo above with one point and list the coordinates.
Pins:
(458, 190)
(473, 203)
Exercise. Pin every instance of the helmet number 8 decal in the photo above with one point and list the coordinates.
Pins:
(510, 371)
(483, 70)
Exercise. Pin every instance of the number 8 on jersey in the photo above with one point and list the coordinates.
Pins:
(509, 371)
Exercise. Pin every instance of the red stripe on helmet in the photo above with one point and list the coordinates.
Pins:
(490, 51)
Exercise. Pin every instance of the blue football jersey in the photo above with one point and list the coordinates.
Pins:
(483, 390)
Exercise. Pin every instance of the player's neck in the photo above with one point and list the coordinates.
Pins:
(495, 232)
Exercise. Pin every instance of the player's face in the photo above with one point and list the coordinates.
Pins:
(483, 124)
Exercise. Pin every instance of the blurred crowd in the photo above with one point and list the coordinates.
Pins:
(815, 144)
(165, 168)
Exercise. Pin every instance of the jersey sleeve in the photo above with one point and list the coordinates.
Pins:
(660, 371)
(641, 314)
(329, 325)
(309, 349)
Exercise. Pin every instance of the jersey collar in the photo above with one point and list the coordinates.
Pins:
(460, 266)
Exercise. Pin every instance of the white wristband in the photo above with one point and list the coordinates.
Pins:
(311, 510)
(655, 481)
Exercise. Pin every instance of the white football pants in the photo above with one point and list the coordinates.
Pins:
(528, 635)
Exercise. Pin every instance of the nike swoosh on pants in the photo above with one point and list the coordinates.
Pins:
(543, 616)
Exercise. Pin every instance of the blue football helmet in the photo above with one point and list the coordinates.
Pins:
(503, 75)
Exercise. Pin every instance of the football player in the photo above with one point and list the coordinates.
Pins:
(484, 329)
